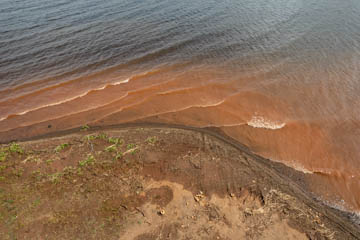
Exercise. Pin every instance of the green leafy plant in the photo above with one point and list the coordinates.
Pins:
(61, 147)
(15, 148)
(89, 160)
(111, 148)
(90, 137)
(85, 127)
(130, 146)
(116, 141)
(3, 156)
(151, 140)
(102, 136)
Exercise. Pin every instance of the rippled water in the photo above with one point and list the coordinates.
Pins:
(282, 77)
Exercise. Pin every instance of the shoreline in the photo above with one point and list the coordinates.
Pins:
(287, 180)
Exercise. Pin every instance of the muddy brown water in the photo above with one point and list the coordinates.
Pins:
(280, 77)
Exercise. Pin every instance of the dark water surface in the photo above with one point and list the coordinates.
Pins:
(282, 77)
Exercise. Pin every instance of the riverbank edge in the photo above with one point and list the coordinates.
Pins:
(293, 181)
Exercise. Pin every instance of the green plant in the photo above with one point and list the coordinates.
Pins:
(118, 156)
(130, 146)
(49, 161)
(37, 175)
(151, 140)
(102, 136)
(90, 137)
(85, 127)
(15, 148)
(36, 202)
(55, 177)
(89, 160)
(116, 141)
(61, 147)
(3, 156)
(111, 148)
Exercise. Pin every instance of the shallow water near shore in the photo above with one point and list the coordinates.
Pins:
(279, 77)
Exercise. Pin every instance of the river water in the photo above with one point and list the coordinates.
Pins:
(281, 77)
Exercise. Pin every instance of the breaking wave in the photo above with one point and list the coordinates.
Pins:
(261, 122)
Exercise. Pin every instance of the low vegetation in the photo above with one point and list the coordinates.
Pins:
(90, 159)
(61, 147)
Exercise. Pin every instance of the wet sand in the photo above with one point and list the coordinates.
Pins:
(156, 181)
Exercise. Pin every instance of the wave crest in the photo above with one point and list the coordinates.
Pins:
(261, 122)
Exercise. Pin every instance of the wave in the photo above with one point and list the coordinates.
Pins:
(261, 122)
(67, 100)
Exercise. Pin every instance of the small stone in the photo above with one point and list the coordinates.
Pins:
(162, 212)
(248, 212)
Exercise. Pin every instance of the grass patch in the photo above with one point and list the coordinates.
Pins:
(85, 127)
(103, 136)
(130, 146)
(116, 141)
(3, 156)
(90, 137)
(55, 177)
(61, 147)
(15, 148)
(151, 140)
(89, 160)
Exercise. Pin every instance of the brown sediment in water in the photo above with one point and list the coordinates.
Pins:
(200, 96)
(168, 182)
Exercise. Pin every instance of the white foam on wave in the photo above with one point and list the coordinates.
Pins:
(294, 165)
(261, 122)
(300, 168)
(121, 82)
(68, 99)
